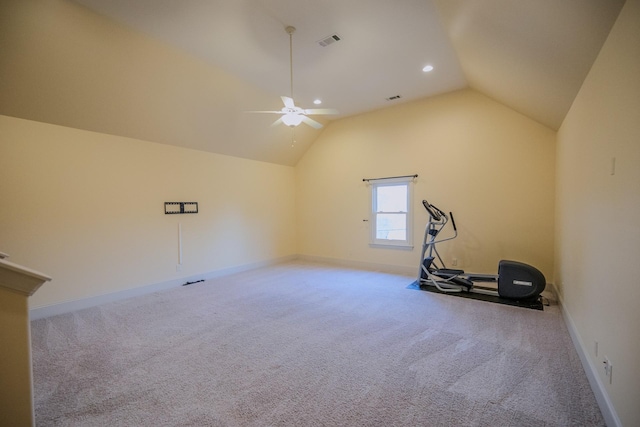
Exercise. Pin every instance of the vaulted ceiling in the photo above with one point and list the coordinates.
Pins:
(531, 55)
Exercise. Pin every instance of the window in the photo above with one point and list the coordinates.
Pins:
(391, 216)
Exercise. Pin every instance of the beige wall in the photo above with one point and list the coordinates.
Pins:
(65, 65)
(88, 209)
(598, 214)
(491, 166)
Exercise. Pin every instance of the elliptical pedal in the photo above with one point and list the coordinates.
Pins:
(467, 284)
(451, 276)
(448, 272)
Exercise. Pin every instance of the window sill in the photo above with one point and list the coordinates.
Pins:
(383, 246)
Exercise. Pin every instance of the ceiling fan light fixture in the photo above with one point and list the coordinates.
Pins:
(291, 115)
(292, 119)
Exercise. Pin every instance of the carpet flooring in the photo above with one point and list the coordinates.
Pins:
(303, 344)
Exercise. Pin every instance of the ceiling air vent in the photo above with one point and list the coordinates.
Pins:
(393, 98)
(326, 41)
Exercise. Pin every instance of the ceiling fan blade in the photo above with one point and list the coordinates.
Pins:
(288, 102)
(311, 122)
(277, 122)
(321, 111)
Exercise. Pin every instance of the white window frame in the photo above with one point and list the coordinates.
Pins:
(387, 243)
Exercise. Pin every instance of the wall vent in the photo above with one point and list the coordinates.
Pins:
(393, 98)
(326, 41)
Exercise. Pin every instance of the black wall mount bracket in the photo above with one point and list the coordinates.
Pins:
(180, 208)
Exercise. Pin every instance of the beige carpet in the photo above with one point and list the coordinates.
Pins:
(303, 344)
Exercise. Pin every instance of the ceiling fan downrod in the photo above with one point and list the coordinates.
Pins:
(290, 30)
(291, 115)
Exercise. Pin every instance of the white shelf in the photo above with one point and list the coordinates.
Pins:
(20, 279)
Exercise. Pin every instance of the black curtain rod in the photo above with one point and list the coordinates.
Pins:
(390, 177)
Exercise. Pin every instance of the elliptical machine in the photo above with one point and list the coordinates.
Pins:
(516, 280)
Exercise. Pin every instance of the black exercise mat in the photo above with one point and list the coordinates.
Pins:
(535, 304)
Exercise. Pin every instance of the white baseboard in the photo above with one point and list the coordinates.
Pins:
(599, 390)
(362, 265)
(79, 304)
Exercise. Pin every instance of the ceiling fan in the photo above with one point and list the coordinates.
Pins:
(292, 115)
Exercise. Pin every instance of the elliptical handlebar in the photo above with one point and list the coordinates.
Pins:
(437, 220)
(433, 211)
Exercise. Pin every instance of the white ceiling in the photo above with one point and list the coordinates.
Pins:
(384, 45)
(532, 55)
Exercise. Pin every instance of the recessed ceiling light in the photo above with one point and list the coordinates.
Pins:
(427, 68)
(317, 101)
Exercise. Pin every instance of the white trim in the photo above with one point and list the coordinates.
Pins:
(374, 242)
(599, 390)
(79, 304)
(19, 278)
(402, 247)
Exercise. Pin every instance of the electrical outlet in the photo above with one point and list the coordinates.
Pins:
(454, 262)
(608, 369)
